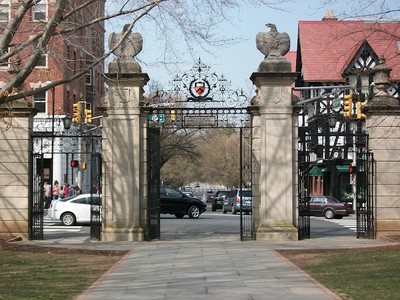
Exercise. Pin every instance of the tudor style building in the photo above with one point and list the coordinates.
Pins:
(65, 55)
(335, 58)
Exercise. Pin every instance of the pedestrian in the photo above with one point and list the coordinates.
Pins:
(61, 192)
(47, 194)
(71, 191)
(77, 191)
(56, 190)
(66, 189)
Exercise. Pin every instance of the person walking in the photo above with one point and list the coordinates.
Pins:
(47, 194)
(56, 190)
(66, 189)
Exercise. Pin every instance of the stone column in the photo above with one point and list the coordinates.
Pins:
(15, 159)
(122, 137)
(382, 125)
(274, 180)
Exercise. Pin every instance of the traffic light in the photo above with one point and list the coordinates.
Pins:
(347, 106)
(173, 115)
(360, 110)
(88, 116)
(76, 113)
(83, 166)
(74, 163)
(352, 169)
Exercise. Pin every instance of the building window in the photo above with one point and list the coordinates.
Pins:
(42, 62)
(90, 77)
(4, 11)
(39, 101)
(39, 12)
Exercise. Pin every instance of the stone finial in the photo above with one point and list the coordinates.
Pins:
(274, 45)
(382, 83)
(127, 46)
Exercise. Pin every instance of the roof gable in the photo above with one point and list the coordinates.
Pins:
(328, 47)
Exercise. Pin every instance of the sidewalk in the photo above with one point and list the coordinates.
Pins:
(219, 267)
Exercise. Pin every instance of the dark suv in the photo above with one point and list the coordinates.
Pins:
(176, 203)
(217, 201)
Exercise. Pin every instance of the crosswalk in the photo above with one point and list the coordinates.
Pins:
(56, 226)
(348, 223)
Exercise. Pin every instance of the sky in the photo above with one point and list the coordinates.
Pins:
(237, 62)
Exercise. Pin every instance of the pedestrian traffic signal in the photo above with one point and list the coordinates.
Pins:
(352, 169)
(88, 116)
(360, 110)
(74, 163)
(76, 113)
(347, 106)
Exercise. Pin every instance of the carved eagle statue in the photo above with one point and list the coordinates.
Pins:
(129, 47)
(273, 43)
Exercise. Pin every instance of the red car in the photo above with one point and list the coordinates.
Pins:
(329, 207)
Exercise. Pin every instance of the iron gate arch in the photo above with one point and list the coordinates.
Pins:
(198, 99)
(49, 139)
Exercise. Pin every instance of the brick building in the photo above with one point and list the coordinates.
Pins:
(68, 52)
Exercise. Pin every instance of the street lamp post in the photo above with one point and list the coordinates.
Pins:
(52, 141)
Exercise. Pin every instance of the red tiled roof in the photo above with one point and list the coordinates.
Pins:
(291, 56)
(327, 47)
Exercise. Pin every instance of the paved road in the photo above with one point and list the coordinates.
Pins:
(209, 224)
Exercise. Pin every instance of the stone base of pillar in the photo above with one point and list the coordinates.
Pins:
(386, 228)
(123, 234)
(277, 232)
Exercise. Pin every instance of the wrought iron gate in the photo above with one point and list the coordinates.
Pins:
(36, 198)
(53, 148)
(198, 100)
(365, 195)
(95, 206)
(153, 183)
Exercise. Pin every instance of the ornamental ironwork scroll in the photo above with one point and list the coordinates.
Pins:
(200, 98)
(65, 141)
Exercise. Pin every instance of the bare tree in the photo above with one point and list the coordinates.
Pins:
(191, 21)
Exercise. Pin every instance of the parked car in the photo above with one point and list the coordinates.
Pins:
(190, 194)
(75, 209)
(217, 201)
(329, 207)
(177, 203)
(232, 201)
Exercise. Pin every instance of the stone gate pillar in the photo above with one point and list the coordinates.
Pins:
(15, 159)
(275, 179)
(382, 126)
(122, 138)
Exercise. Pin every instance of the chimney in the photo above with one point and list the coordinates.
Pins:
(329, 16)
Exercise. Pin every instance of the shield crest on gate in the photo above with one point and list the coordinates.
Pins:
(200, 88)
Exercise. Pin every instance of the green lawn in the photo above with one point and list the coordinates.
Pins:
(354, 274)
(49, 275)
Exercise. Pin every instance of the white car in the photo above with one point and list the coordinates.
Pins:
(75, 209)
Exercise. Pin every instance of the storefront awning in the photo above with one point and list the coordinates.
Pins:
(317, 171)
(343, 168)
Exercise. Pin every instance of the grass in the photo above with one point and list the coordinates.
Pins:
(43, 274)
(353, 274)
